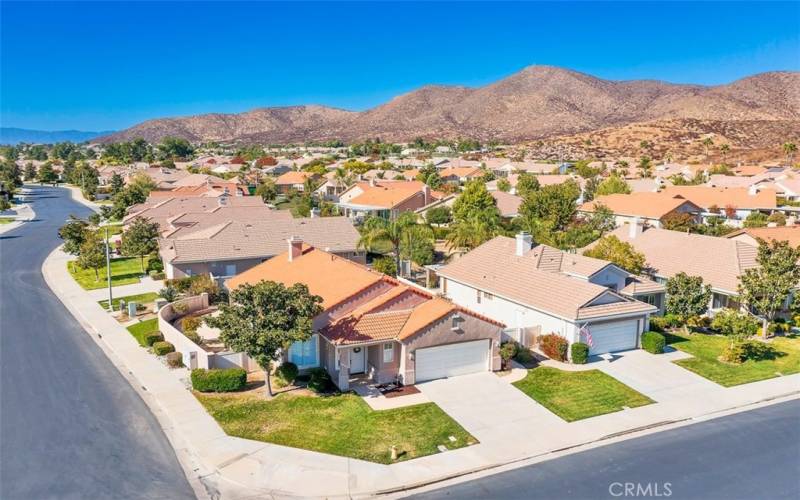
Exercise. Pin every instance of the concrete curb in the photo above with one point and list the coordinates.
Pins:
(313, 472)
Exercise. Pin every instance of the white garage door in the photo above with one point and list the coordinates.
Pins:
(615, 336)
(451, 360)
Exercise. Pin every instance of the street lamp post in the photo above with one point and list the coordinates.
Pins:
(108, 274)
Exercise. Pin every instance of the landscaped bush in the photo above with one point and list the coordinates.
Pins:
(174, 360)
(653, 342)
(580, 353)
(202, 283)
(508, 350)
(157, 275)
(168, 293)
(226, 380)
(162, 348)
(664, 323)
(180, 308)
(319, 380)
(739, 351)
(154, 264)
(151, 338)
(285, 374)
(554, 346)
(735, 323)
(524, 355)
(180, 284)
(699, 321)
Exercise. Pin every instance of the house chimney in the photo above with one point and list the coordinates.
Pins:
(524, 243)
(426, 194)
(295, 247)
(634, 228)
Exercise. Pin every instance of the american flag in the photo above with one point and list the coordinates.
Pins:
(586, 334)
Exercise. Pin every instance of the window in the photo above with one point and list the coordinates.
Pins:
(444, 286)
(388, 352)
(488, 296)
(648, 299)
(304, 354)
(478, 296)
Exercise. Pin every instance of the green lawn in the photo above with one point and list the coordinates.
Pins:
(142, 298)
(340, 425)
(6, 220)
(577, 395)
(112, 230)
(706, 350)
(124, 271)
(139, 330)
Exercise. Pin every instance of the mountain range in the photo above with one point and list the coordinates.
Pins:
(535, 103)
(11, 136)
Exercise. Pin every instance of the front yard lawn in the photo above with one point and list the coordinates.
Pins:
(142, 298)
(139, 330)
(340, 424)
(706, 350)
(124, 271)
(6, 220)
(578, 395)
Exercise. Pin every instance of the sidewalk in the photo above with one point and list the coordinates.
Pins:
(237, 467)
(22, 213)
(147, 284)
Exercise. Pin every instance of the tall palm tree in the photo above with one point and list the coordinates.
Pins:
(394, 233)
(470, 233)
(789, 148)
(707, 143)
(725, 149)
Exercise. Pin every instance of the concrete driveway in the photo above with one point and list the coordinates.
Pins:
(656, 376)
(488, 407)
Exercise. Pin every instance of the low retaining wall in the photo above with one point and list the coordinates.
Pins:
(194, 356)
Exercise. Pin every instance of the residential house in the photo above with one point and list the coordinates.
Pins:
(293, 181)
(751, 235)
(375, 327)
(508, 204)
(459, 175)
(719, 261)
(161, 210)
(537, 290)
(642, 206)
(724, 202)
(231, 247)
(384, 198)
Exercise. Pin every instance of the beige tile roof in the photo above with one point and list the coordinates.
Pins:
(161, 209)
(233, 240)
(615, 308)
(641, 286)
(495, 268)
(507, 203)
(784, 233)
(705, 196)
(642, 204)
(187, 223)
(385, 193)
(719, 261)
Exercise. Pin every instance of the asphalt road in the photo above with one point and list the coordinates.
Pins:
(750, 455)
(70, 425)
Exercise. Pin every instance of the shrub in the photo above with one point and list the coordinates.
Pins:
(285, 374)
(157, 275)
(151, 338)
(202, 283)
(190, 324)
(524, 355)
(653, 342)
(181, 285)
(174, 360)
(155, 265)
(508, 350)
(319, 380)
(664, 323)
(699, 321)
(216, 380)
(180, 308)
(738, 324)
(385, 265)
(580, 353)
(168, 293)
(554, 346)
(161, 348)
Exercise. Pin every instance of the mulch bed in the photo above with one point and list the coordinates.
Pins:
(402, 391)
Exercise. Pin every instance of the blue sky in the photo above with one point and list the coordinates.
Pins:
(100, 66)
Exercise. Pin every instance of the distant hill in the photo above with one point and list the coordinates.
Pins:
(535, 103)
(11, 135)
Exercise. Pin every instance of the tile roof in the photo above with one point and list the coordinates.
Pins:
(384, 193)
(642, 204)
(615, 308)
(236, 240)
(719, 261)
(780, 233)
(642, 285)
(293, 177)
(706, 196)
(507, 203)
(161, 209)
(533, 279)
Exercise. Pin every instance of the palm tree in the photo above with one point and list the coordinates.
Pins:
(470, 233)
(725, 149)
(394, 233)
(644, 166)
(707, 143)
(789, 148)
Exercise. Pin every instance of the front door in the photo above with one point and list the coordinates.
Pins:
(358, 360)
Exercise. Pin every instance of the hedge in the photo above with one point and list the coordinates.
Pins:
(653, 342)
(174, 359)
(580, 353)
(554, 346)
(219, 380)
(319, 380)
(285, 374)
(162, 348)
(151, 338)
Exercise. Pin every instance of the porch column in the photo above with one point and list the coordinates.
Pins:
(344, 369)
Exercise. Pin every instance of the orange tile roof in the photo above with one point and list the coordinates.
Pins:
(643, 204)
(461, 172)
(739, 197)
(790, 234)
(386, 194)
(293, 177)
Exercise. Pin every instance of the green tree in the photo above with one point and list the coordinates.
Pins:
(618, 252)
(140, 239)
(92, 253)
(74, 234)
(707, 143)
(614, 184)
(470, 233)
(725, 149)
(687, 296)
(503, 185)
(765, 288)
(117, 183)
(377, 232)
(267, 190)
(175, 148)
(789, 149)
(527, 183)
(755, 219)
(475, 202)
(555, 204)
(777, 218)
(265, 319)
(679, 221)
(734, 323)
(645, 167)
(30, 171)
(46, 173)
(136, 192)
(439, 215)
(385, 265)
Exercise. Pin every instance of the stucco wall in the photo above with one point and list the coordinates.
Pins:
(383, 372)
